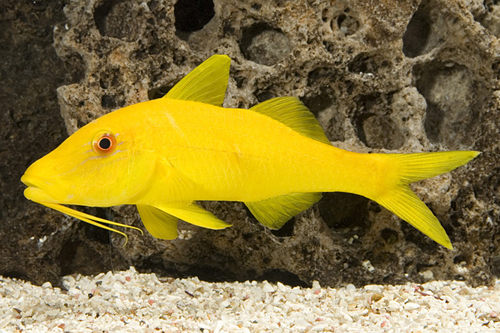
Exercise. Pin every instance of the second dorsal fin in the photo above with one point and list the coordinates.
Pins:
(291, 112)
(207, 83)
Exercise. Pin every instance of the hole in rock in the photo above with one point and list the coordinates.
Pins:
(263, 44)
(263, 95)
(115, 18)
(380, 132)
(159, 92)
(256, 6)
(323, 75)
(454, 100)
(415, 236)
(39, 5)
(345, 213)
(417, 32)
(382, 259)
(390, 236)
(324, 102)
(347, 24)
(367, 63)
(193, 15)
(16, 275)
(374, 126)
(110, 78)
(462, 258)
(108, 101)
(318, 103)
(286, 230)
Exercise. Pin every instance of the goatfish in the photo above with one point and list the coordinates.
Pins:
(166, 154)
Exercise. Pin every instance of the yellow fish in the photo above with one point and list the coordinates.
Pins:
(164, 155)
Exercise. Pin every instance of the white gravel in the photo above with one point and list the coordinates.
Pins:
(131, 302)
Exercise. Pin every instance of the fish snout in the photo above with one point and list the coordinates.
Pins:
(35, 190)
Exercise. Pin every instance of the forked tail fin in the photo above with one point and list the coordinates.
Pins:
(401, 200)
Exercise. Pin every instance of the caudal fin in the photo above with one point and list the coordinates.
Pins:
(401, 200)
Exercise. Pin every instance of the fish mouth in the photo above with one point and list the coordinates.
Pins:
(31, 181)
(35, 191)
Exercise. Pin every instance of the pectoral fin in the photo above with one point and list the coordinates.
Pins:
(171, 185)
(196, 215)
(275, 212)
(159, 223)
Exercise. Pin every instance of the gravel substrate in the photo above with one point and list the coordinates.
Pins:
(132, 302)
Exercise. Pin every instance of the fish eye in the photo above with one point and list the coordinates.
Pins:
(104, 143)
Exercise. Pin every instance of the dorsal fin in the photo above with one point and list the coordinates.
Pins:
(207, 83)
(275, 212)
(291, 112)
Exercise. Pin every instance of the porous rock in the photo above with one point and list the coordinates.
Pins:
(405, 76)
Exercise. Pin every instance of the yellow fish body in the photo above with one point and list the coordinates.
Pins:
(164, 155)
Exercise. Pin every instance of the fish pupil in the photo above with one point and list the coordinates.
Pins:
(104, 143)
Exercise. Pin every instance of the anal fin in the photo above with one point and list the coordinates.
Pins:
(159, 223)
(275, 212)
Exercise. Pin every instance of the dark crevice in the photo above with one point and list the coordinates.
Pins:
(263, 95)
(286, 230)
(367, 63)
(318, 103)
(417, 32)
(16, 275)
(345, 213)
(159, 92)
(285, 277)
(390, 236)
(193, 15)
(108, 102)
(100, 15)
